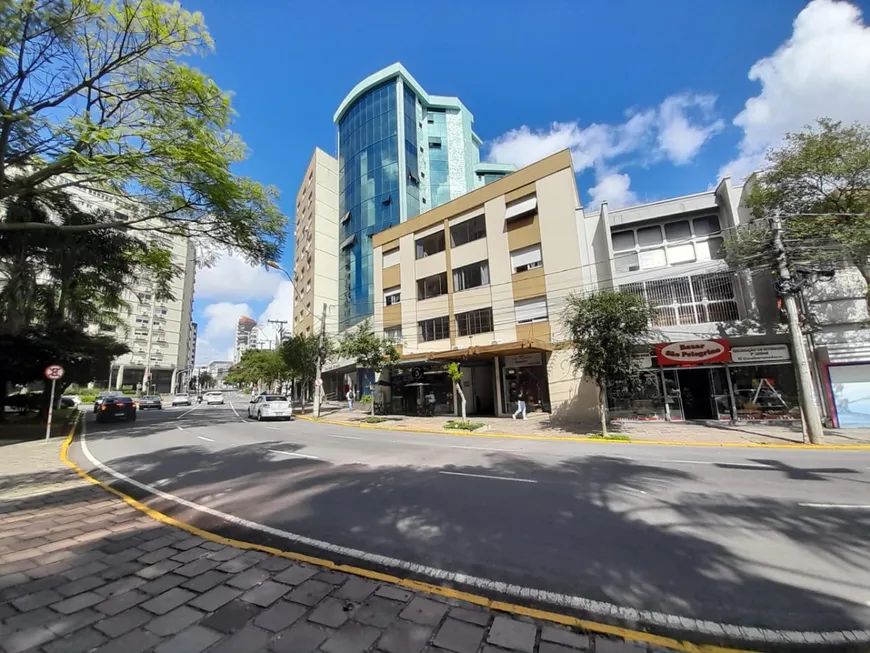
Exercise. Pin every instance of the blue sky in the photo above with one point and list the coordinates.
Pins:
(654, 99)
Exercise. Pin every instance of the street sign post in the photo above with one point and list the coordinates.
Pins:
(52, 373)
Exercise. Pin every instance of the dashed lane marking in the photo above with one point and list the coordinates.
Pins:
(294, 455)
(494, 478)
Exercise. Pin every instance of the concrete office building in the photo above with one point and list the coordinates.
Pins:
(159, 327)
(483, 280)
(315, 263)
(401, 152)
(244, 327)
(218, 371)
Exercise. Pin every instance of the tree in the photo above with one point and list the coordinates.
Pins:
(605, 330)
(371, 351)
(99, 96)
(300, 353)
(818, 184)
(260, 366)
(204, 380)
(455, 375)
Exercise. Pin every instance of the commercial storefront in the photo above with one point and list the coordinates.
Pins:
(710, 380)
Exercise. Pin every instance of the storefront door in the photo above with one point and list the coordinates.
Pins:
(696, 393)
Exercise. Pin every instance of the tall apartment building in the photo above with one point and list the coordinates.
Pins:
(401, 152)
(244, 327)
(316, 259)
(161, 327)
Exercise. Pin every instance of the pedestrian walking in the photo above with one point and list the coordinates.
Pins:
(521, 403)
(349, 397)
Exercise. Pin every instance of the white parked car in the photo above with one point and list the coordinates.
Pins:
(213, 398)
(181, 400)
(268, 406)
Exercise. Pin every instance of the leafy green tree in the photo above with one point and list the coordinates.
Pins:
(264, 367)
(818, 184)
(369, 350)
(300, 353)
(455, 375)
(204, 380)
(101, 96)
(605, 330)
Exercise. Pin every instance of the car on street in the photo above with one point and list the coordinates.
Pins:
(181, 400)
(115, 408)
(213, 397)
(70, 401)
(103, 397)
(268, 406)
(151, 401)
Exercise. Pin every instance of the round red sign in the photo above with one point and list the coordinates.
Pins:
(693, 352)
(54, 372)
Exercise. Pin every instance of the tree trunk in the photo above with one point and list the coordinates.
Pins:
(863, 266)
(377, 377)
(461, 399)
(602, 413)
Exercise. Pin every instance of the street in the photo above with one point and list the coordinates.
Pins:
(771, 538)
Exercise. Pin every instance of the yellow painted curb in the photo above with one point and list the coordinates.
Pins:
(573, 438)
(544, 615)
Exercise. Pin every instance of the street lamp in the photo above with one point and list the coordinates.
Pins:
(276, 266)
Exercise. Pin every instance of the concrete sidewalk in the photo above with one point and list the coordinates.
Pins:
(81, 570)
(540, 424)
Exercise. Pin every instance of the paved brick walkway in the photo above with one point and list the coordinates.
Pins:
(688, 432)
(80, 570)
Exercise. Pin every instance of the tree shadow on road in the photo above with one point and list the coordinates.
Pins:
(600, 527)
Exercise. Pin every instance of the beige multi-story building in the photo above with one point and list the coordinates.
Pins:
(483, 280)
(158, 332)
(315, 266)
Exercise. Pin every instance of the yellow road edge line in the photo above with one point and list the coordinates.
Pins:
(535, 613)
(552, 438)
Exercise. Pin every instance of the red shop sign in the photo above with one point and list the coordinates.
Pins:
(693, 352)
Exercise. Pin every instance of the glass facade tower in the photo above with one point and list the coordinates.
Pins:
(401, 152)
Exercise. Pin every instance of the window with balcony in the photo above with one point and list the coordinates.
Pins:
(473, 322)
(694, 299)
(673, 243)
(471, 276)
(431, 244)
(433, 286)
(435, 329)
(467, 231)
(526, 258)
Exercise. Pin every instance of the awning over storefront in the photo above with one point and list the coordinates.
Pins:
(486, 351)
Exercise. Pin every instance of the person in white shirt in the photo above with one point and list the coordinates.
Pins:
(521, 403)
(349, 397)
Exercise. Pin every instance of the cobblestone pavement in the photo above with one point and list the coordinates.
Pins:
(690, 433)
(80, 570)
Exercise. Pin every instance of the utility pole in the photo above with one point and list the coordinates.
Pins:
(146, 377)
(279, 335)
(318, 381)
(812, 418)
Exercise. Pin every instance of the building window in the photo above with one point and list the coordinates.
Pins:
(391, 257)
(393, 333)
(467, 231)
(431, 244)
(392, 296)
(471, 276)
(695, 299)
(531, 310)
(678, 242)
(435, 329)
(432, 286)
(526, 258)
(474, 322)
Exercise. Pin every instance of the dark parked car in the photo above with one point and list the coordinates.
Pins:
(117, 408)
(151, 401)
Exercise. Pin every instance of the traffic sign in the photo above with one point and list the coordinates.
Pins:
(54, 372)
(318, 382)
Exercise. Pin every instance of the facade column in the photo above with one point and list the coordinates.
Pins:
(120, 378)
(174, 378)
(498, 412)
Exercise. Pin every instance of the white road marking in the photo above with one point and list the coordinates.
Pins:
(180, 428)
(202, 437)
(189, 410)
(495, 478)
(343, 437)
(600, 608)
(274, 428)
(459, 446)
(295, 455)
(235, 411)
(839, 506)
(714, 462)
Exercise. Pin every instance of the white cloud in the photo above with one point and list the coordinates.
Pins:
(280, 308)
(232, 278)
(612, 187)
(820, 71)
(679, 139)
(675, 130)
(216, 339)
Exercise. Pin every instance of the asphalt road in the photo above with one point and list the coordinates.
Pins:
(762, 537)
